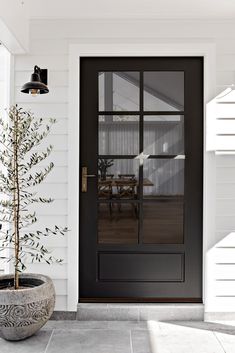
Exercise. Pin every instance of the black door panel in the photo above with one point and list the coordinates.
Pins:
(141, 140)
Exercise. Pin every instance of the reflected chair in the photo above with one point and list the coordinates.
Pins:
(126, 189)
(105, 191)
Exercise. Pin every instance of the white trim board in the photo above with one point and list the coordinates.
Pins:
(76, 51)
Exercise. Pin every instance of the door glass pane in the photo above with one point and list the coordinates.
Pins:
(118, 179)
(166, 177)
(163, 216)
(163, 221)
(164, 91)
(118, 135)
(118, 91)
(164, 134)
(118, 223)
(117, 191)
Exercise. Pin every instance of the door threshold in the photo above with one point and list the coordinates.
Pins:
(140, 311)
(140, 300)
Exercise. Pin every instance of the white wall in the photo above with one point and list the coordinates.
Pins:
(49, 48)
(5, 79)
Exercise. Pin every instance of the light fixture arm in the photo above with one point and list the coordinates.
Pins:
(37, 69)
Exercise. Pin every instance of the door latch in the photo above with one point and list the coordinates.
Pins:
(84, 178)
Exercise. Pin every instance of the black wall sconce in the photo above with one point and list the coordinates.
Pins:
(37, 84)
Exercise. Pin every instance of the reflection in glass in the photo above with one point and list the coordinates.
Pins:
(164, 134)
(163, 221)
(118, 179)
(166, 176)
(118, 135)
(164, 91)
(117, 226)
(118, 91)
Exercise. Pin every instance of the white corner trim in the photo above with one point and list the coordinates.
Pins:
(76, 51)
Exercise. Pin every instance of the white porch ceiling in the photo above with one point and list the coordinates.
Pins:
(157, 9)
(16, 14)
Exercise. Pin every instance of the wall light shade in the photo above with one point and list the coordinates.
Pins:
(37, 84)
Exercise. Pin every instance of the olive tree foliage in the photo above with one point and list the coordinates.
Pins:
(20, 138)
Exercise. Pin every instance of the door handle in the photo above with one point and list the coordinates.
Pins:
(84, 178)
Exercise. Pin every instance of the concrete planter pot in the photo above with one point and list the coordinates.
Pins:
(23, 312)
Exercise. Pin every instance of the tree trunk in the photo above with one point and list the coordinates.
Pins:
(16, 201)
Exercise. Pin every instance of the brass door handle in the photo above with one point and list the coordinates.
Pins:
(84, 178)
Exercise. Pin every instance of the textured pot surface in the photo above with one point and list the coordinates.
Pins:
(23, 312)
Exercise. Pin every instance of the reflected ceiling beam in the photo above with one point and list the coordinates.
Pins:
(151, 91)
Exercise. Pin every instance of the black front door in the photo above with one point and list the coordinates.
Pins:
(141, 133)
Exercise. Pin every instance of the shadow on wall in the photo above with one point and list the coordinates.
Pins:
(220, 278)
(220, 258)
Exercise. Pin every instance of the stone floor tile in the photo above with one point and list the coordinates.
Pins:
(227, 341)
(212, 326)
(127, 325)
(75, 324)
(90, 341)
(172, 338)
(34, 344)
(140, 341)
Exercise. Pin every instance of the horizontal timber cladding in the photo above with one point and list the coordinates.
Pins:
(49, 47)
(53, 105)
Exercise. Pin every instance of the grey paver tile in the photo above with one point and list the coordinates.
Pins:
(34, 344)
(115, 325)
(227, 341)
(127, 325)
(90, 341)
(173, 338)
(76, 325)
(127, 337)
(212, 326)
(140, 341)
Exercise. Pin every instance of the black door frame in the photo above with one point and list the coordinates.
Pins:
(200, 138)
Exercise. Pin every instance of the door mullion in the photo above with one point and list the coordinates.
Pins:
(141, 149)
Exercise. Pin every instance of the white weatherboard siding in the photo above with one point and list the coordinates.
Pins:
(5, 63)
(49, 48)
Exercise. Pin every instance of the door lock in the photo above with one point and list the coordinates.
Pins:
(84, 178)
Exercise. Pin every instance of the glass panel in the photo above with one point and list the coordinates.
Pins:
(163, 218)
(118, 135)
(118, 223)
(163, 221)
(118, 179)
(164, 91)
(163, 177)
(118, 91)
(163, 134)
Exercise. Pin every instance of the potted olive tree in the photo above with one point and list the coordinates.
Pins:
(26, 300)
